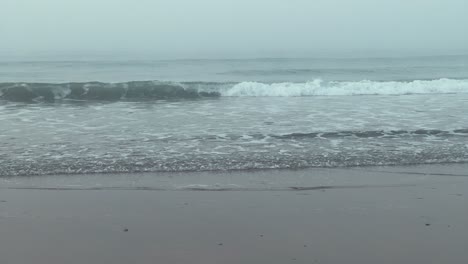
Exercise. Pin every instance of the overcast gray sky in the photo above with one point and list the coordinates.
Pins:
(204, 28)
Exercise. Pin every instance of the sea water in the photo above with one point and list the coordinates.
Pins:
(61, 116)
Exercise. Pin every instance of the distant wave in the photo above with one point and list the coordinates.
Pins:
(157, 90)
(282, 72)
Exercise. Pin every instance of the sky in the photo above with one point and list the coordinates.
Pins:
(233, 28)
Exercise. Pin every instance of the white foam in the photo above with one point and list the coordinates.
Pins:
(61, 92)
(320, 88)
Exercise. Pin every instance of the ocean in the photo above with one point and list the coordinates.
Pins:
(84, 116)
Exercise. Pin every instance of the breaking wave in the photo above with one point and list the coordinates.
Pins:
(158, 90)
(321, 88)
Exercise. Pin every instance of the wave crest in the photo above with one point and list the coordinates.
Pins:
(321, 88)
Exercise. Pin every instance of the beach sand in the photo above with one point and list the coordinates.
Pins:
(412, 214)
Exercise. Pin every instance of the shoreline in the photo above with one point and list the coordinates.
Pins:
(250, 170)
(397, 214)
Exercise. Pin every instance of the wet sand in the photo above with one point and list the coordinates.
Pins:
(413, 214)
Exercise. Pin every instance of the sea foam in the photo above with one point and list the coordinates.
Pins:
(320, 88)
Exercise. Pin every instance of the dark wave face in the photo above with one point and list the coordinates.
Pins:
(139, 90)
